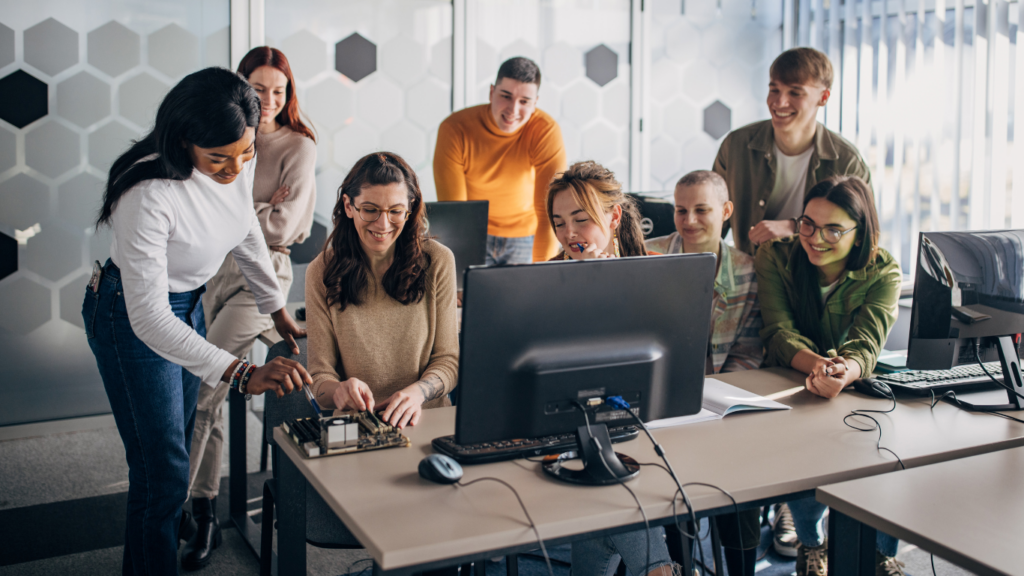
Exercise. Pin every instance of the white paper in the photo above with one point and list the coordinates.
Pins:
(720, 400)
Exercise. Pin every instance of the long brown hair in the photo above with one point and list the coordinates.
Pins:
(346, 267)
(595, 189)
(854, 196)
(267, 56)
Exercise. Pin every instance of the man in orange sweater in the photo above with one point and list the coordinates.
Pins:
(505, 152)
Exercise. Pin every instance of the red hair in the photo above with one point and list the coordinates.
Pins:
(267, 56)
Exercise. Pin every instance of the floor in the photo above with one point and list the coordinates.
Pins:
(63, 492)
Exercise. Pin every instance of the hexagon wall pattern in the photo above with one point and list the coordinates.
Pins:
(6, 45)
(113, 49)
(24, 201)
(24, 305)
(8, 150)
(355, 57)
(602, 65)
(139, 98)
(8, 256)
(83, 99)
(717, 120)
(23, 98)
(173, 51)
(306, 53)
(52, 149)
(54, 252)
(51, 47)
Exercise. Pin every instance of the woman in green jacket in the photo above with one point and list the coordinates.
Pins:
(828, 298)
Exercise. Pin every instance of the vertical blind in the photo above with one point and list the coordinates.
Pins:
(928, 90)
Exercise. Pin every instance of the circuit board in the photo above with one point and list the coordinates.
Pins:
(343, 434)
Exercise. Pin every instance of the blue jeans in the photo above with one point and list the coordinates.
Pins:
(808, 515)
(154, 405)
(502, 251)
(599, 556)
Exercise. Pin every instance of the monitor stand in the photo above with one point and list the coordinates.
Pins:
(594, 472)
(1011, 377)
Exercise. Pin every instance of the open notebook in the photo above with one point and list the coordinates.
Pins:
(720, 400)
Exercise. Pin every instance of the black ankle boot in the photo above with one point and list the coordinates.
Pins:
(738, 560)
(199, 549)
(186, 526)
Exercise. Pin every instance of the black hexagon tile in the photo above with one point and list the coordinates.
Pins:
(355, 57)
(717, 119)
(8, 256)
(23, 98)
(602, 64)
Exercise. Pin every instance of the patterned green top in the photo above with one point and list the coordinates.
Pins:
(857, 317)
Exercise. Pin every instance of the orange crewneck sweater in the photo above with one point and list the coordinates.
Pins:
(475, 160)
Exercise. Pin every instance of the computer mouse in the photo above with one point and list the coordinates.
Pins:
(872, 387)
(441, 469)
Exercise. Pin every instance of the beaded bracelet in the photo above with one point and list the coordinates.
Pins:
(236, 375)
(243, 386)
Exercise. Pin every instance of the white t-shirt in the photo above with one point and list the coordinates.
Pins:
(787, 198)
(172, 236)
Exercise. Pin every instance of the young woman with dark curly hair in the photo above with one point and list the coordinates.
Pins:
(380, 300)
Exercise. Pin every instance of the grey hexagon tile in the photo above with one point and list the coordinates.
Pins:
(8, 256)
(602, 64)
(682, 42)
(52, 149)
(79, 200)
(24, 201)
(615, 104)
(113, 48)
(404, 60)
(699, 153)
(428, 103)
(307, 54)
(734, 80)
(24, 306)
(139, 97)
(83, 99)
(441, 60)
(107, 142)
(8, 150)
(6, 45)
(580, 103)
(71, 296)
(355, 57)
(407, 141)
(218, 49)
(665, 156)
(665, 80)
(23, 98)
(54, 252)
(562, 64)
(600, 143)
(327, 182)
(351, 144)
(330, 103)
(486, 63)
(717, 119)
(700, 81)
(727, 40)
(519, 48)
(680, 120)
(571, 140)
(380, 102)
(173, 51)
(99, 244)
(51, 47)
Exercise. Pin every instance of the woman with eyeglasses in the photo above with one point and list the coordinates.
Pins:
(380, 300)
(828, 298)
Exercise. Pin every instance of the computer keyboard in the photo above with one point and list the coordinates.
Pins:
(485, 452)
(961, 379)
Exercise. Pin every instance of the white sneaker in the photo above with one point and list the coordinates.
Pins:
(784, 532)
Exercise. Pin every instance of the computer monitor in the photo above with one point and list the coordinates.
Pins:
(535, 339)
(969, 304)
(462, 227)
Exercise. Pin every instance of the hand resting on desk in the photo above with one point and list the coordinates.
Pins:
(826, 377)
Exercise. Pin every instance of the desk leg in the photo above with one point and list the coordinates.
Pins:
(851, 546)
(512, 565)
(291, 518)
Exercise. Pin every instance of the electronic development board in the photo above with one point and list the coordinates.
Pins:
(344, 434)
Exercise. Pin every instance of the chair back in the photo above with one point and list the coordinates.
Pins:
(657, 215)
(292, 406)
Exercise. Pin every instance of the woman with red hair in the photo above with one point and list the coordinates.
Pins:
(284, 194)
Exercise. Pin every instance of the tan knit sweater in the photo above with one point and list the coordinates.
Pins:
(382, 342)
(285, 157)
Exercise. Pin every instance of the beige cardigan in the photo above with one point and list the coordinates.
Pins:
(382, 342)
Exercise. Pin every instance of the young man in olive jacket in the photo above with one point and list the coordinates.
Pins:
(770, 165)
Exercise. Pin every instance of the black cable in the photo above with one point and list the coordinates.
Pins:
(598, 448)
(867, 414)
(540, 540)
(933, 565)
(977, 356)
(348, 571)
(950, 397)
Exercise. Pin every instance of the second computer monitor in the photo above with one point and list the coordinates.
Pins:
(538, 339)
(462, 227)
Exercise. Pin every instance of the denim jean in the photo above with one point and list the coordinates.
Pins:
(808, 516)
(599, 556)
(154, 406)
(502, 251)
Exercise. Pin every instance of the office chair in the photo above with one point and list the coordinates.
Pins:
(657, 215)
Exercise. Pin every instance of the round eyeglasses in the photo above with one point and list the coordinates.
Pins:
(372, 214)
(830, 234)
